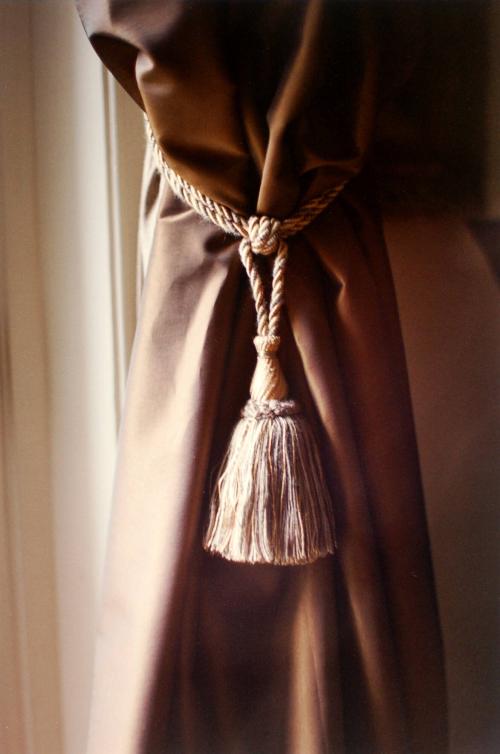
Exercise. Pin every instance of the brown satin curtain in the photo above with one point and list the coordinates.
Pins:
(261, 104)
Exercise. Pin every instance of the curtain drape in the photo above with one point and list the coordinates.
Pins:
(261, 105)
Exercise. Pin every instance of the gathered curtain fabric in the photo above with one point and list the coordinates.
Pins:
(262, 105)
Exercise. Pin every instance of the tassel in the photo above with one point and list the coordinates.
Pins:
(271, 503)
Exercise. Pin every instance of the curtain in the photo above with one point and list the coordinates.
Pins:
(262, 105)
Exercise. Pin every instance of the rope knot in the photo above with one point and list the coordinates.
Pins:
(264, 234)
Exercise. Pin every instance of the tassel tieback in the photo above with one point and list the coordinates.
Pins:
(270, 503)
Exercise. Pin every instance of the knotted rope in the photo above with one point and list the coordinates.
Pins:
(259, 235)
(271, 503)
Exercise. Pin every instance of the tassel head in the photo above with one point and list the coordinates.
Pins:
(268, 382)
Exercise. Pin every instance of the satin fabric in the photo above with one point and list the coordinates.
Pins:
(260, 105)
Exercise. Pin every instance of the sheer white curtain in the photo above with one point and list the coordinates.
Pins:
(70, 163)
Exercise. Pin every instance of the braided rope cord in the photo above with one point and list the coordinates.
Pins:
(259, 235)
